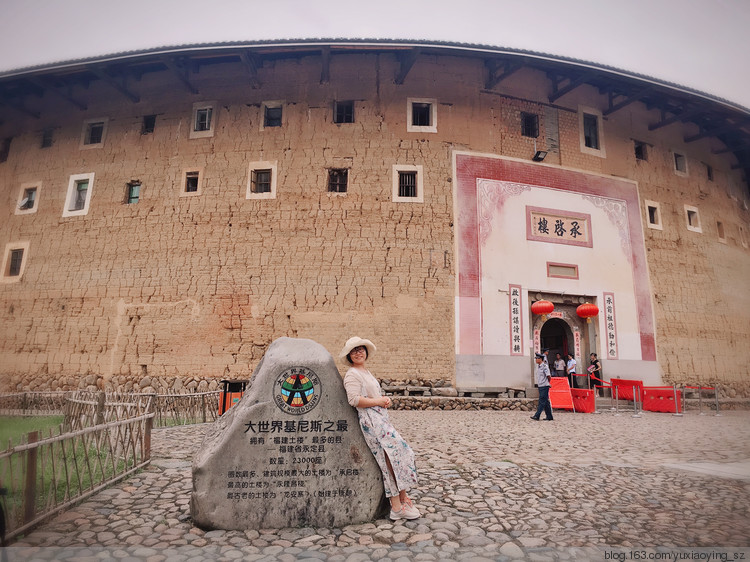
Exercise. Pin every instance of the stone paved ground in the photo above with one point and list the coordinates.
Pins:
(495, 485)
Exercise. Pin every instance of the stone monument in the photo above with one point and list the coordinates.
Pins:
(290, 453)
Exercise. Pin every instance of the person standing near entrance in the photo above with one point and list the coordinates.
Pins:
(571, 369)
(559, 366)
(595, 370)
(542, 381)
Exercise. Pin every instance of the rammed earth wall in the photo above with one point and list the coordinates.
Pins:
(179, 291)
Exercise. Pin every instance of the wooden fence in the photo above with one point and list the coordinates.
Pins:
(43, 476)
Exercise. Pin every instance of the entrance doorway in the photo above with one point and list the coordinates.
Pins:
(556, 336)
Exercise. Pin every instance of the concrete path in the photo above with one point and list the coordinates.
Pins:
(493, 486)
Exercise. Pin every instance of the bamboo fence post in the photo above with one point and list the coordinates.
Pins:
(29, 496)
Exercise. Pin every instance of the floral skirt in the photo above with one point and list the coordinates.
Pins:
(383, 439)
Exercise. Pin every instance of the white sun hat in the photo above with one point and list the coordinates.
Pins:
(356, 341)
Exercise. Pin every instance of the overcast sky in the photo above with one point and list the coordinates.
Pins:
(702, 44)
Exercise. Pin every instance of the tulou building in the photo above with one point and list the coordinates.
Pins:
(167, 214)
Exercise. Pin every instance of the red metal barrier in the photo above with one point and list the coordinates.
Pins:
(661, 399)
(559, 394)
(584, 400)
(624, 389)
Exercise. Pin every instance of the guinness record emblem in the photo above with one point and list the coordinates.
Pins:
(297, 390)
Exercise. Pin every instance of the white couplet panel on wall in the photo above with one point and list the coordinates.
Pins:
(525, 229)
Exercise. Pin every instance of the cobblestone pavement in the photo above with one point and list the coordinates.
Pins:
(494, 485)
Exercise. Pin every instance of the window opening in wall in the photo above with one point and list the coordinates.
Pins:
(680, 163)
(641, 152)
(203, 119)
(653, 215)
(191, 182)
(407, 184)
(591, 131)
(337, 180)
(149, 123)
(529, 125)
(133, 192)
(14, 265)
(29, 199)
(709, 172)
(720, 230)
(343, 112)
(94, 133)
(421, 114)
(261, 181)
(272, 116)
(693, 219)
(79, 195)
(5, 149)
(47, 138)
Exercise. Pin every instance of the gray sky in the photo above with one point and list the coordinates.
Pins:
(702, 44)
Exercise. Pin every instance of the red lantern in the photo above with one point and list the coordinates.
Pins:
(587, 310)
(543, 308)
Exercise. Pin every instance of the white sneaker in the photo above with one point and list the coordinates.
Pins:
(409, 507)
(404, 513)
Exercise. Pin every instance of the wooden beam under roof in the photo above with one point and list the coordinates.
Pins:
(181, 71)
(325, 70)
(122, 88)
(731, 148)
(716, 131)
(251, 62)
(20, 108)
(680, 116)
(572, 85)
(627, 101)
(55, 89)
(406, 62)
(499, 71)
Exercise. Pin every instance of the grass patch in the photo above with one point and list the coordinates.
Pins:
(15, 428)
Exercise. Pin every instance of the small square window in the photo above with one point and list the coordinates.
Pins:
(680, 163)
(261, 182)
(191, 182)
(407, 184)
(720, 231)
(591, 139)
(149, 124)
(272, 117)
(641, 150)
(337, 180)
(79, 195)
(343, 112)
(203, 120)
(653, 217)
(29, 199)
(529, 125)
(709, 172)
(5, 149)
(133, 192)
(421, 115)
(47, 138)
(14, 261)
(693, 219)
(94, 133)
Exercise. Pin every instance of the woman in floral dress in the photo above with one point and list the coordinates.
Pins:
(393, 455)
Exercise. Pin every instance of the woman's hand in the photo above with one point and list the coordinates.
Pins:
(385, 402)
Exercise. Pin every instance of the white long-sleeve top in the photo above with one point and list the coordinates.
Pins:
(356, 380)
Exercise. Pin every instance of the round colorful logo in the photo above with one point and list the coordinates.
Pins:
(297, 390)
